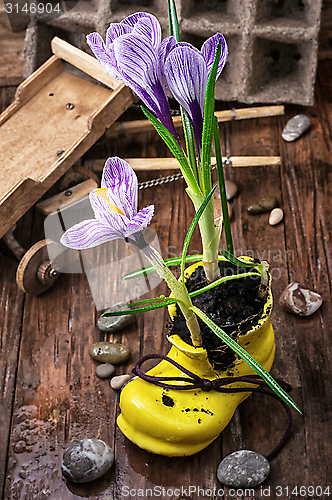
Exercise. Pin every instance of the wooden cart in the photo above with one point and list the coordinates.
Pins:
(57, 115)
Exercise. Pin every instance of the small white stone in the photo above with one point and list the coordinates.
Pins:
(231, 190)
(276, 216)
(117, 382)
(295, 127)
(300, 301)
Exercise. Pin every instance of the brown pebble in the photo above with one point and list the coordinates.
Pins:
(105, 370)
(117, 382)
(300, 301)
(109, 352)
(276, 216)
(263, 205)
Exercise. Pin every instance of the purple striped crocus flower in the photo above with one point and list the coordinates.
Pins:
(130, 54)
(115, 209)
(186, 71)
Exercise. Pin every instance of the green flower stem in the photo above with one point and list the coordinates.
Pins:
(179, 291)
(210, 235)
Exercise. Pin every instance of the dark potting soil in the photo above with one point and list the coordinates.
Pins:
(234, 306)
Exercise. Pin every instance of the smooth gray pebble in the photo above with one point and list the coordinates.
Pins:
(115, 323)
(244, 468)
(86, 460)
(105, 370)
(295, 127)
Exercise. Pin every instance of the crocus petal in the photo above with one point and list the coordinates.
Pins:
(108, 212)
(117, 171)
(140, 220)
(134, 18)
(138, 61)
(88, 234)
(186, 75)
(104, 56)
(149, 27)
(136, 57)
(209, 48)
(114, 31)
(164, 49)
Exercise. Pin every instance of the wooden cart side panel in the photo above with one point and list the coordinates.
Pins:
(32, 85)
(83, 61)
(118, 102)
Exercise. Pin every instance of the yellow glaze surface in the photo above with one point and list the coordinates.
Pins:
(178, 423)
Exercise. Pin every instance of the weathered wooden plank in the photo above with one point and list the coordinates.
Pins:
(58, 396)
(307, 188)
(11, 310)
(11, 51)
(251, 427)
(11, 305)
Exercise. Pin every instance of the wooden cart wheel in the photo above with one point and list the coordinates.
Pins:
(75, 175)
(34, 273)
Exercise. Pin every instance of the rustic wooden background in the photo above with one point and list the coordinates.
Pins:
(12, 45)
(50, 394)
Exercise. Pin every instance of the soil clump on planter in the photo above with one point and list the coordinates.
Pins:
(235, 306)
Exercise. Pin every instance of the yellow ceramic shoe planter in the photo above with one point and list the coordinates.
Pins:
(177, 423)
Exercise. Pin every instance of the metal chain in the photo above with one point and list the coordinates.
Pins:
(161, 180)
(174, 177)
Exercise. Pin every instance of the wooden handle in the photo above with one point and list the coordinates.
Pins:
(13, 245)
(154, 164)
(67, 198)
(131, 127)
(83, 61)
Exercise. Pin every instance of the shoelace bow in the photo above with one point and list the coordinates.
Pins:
(193, 381)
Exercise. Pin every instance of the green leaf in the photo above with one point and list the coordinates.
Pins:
(173, 261)
(175, 148)
(222, 189)
(192, 228)
(139, 309)
(237, 262)
(190, 143)
(208, 123)
(247, 358)
(173, 20)
(160, 299)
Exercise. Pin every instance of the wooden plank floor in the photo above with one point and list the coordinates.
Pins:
(50, 394)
